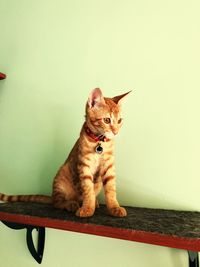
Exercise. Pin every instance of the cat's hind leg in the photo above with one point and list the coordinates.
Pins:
(64, 195)
(60, 202)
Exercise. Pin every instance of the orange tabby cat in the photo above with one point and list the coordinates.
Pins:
(89, 165)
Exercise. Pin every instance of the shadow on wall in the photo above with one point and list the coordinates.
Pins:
(2, 85)
(142, 196)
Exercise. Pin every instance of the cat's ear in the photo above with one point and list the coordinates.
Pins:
(96, 98)
(118, 99)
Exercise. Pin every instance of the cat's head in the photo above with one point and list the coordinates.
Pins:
(103, 114)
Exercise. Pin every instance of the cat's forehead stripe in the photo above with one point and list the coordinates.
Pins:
(113, 108)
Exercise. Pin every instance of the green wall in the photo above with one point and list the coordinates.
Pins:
(54, 53)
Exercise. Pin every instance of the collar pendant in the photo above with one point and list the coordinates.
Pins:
(99, 148)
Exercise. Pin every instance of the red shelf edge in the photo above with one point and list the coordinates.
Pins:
(2, 76)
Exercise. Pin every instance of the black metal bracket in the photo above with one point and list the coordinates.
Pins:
(193, 259)
(36, 253)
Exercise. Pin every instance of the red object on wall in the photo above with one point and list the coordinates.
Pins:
(2, 76)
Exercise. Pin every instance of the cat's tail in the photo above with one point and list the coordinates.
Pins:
(26, 198)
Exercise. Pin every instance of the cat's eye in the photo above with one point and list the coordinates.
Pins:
(120, 121)
(107, 120)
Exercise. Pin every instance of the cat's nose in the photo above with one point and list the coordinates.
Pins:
(115, 131)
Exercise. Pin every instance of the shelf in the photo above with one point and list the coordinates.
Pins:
(2, 76)
(175, 229)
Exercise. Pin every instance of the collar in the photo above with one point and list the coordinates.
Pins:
(96, 138)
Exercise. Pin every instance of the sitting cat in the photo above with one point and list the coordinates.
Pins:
(90, 163)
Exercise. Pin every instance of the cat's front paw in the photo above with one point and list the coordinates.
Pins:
(118, 212)
(85, 212)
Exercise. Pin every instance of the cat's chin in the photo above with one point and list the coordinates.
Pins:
(109, 135)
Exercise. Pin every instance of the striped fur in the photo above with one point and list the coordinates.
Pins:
(80, 179)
